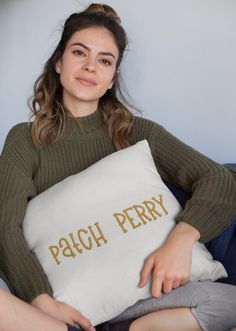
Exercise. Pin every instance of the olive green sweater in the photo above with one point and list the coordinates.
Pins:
(26, 170)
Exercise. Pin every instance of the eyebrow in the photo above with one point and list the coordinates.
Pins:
(88, 49)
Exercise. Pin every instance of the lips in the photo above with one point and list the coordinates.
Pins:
(86, 81)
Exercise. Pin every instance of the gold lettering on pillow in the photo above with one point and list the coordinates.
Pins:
(101, 237)
(149, 211)
(69, 247)
(67, 251)
(161, 203)
(132, 217)
(82, 240)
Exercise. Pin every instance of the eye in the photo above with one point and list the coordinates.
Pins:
(78, 52)
(106, 62)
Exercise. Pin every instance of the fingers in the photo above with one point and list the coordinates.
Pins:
(171, 282)
(166, 283)
(166, 273)
(176, 283)
(146, 271)
(157, 282)
(82, 321)
(76, 318)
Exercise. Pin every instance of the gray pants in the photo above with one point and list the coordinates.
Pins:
(212, 304)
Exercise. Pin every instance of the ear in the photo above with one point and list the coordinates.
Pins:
(113, 80)
(58, 66)
(111, 84)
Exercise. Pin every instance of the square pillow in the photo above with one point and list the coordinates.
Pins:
(92, 232)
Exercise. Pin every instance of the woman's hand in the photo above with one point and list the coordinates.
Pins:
(61, 311)
(170, 265)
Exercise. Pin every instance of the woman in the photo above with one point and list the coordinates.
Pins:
(78, 119)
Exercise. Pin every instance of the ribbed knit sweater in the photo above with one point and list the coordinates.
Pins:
(27, 170)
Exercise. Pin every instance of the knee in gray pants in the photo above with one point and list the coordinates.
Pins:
(215, 308)
(212, 304)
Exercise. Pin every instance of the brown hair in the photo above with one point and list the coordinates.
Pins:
(47, 105)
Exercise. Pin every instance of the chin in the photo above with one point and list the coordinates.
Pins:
(88, 97)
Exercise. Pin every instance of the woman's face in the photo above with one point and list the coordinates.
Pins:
(87, 67)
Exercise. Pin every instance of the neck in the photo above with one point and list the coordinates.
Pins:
(77, 125)
(80, 108)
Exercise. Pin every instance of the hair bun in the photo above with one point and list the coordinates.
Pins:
(105, 9)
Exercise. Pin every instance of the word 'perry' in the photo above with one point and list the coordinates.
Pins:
(143, 213)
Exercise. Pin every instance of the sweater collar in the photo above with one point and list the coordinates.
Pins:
(89, 122)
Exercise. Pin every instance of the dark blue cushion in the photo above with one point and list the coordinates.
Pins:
(223, 247)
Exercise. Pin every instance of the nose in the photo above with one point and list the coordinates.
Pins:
(89, 65)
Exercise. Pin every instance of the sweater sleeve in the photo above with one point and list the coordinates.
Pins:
(19, 264)
(211, 186)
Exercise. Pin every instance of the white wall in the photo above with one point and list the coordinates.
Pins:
(180, 68)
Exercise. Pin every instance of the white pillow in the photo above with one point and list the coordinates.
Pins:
(122, 200)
